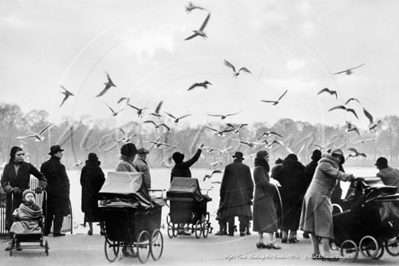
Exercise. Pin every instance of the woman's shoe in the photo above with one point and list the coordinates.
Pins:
(284, 240)
(261, 245)
(90, 232)
(293, 240)
(272, 246)
(317, 257)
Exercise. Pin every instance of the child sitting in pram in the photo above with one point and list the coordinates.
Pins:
(26, 216)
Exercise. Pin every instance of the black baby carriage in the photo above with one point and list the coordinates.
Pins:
(131, 218)
(187, 206)
(370, 224)
(29, 230)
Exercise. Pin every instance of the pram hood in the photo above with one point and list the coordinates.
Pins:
(183, 186)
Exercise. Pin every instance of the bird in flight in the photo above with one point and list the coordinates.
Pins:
(177, 119)
(160, 144)
(356, 153)
(224, 150)
(113, 112)
(372, 124)
(157, 109)
(235, 74)
(216, 163)
(363, 141)
(67, 94)
(191, 7)
(126, 138)
(331, 92)
(157, 125)
(344, 108)
(224, 116)
(108, 85)
(200, 84)
(248, 143)
(220, 133)
(275, 102)
(200, 32)
(236, 130)
(351, 99)
(139, 110)
(351, 127)
(37, 136)
(124, 99)
(213, 172)
(268, 133)
(77, 164)
(348, 71)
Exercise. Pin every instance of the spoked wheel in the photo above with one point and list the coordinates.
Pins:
(349, 251)
(198, 229)
(143, 246)
(380, 252)
(171, 233)
(206, 226)
(46, 247)
(369, 247)
(156, 244)
(111, 249)
(392, 247)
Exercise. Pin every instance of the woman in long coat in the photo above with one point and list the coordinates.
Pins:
(264, 218)
(316, 216)
(293, 188)
(91, 180)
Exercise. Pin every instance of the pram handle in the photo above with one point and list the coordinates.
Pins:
(158, 190)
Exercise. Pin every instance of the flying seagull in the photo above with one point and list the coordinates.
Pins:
(220, 133)
(157, 125)
(248, 143)
(191, 7)
(331, 92)
(124, 99)
(344, 108)
(235, 74)
(275, 102)
(37, 136)
(356, 153)
(348, 71)
(236, 129)
(200, 32)
(108, 85)
(351, 99)
(372, 124)
(268, 133)
(160, 144)
(177, 119)
(139, 110)
(224, 116)
(66, 93)
(113, 112)
(126, 138)
(351, 127)
(364, 140)
(213, 172)
(201, 84)
(157, 109)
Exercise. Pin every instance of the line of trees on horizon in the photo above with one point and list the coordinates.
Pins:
(103, 137)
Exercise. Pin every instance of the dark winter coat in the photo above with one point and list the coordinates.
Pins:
(57, 187)
(183, 169)
(91, 179)
(21, 180)
(236, 191)
(293, 188)
(264, 217)
(309, 172)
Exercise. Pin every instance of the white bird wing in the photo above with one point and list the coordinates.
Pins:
(205, 22)
(230, 65)
(45, 129)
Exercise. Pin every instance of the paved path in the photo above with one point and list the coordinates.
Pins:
(81, 249)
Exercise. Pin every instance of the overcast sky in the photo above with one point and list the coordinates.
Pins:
(287, 45)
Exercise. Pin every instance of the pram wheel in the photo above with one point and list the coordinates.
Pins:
(198, 229)
(172, 232)
(349, 251)
(369, 247)
(392, 246)
(380, 252)
(206, 226)
(111, 249)
(156, 244)
(143, 246)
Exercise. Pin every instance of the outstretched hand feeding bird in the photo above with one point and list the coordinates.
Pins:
(67, 94)
(331, 92)
(200, 32)
(275, 102)
(108, 85)
(348, 71)
(235, 74)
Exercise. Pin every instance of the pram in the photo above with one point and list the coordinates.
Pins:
(187, 206)
(370, 223)
(34, 237)
(131, 218)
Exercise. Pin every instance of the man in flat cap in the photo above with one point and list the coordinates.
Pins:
(142, 166)
(57, 191)
(388, 175)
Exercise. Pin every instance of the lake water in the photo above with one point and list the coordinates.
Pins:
(160, 180)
